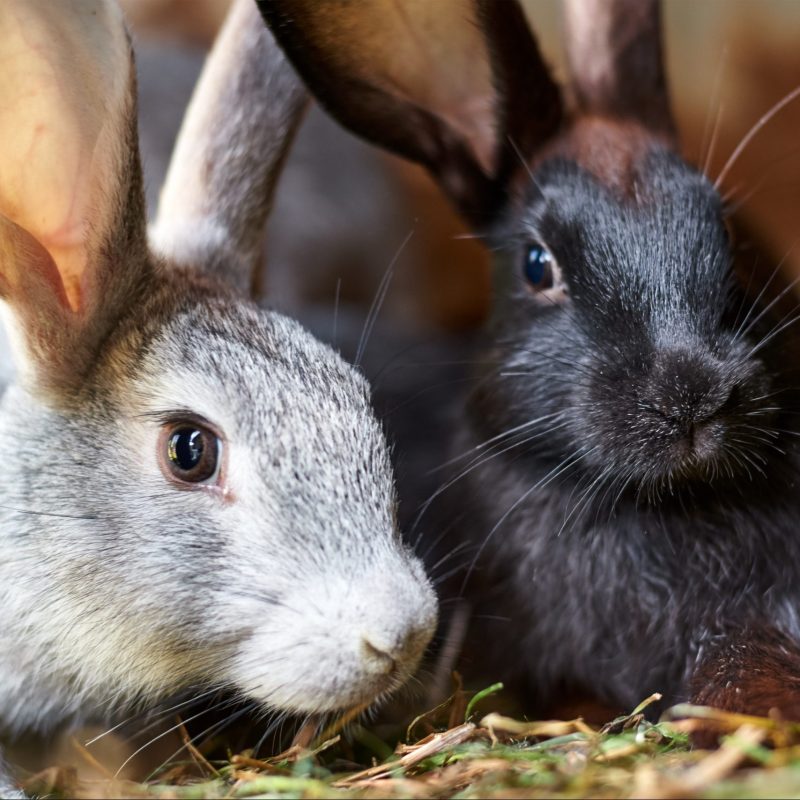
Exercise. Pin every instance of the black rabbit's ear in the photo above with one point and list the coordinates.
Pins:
(616, 59)
(457, 85)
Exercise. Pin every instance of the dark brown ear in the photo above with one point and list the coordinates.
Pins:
(616, 58)
(456, 85)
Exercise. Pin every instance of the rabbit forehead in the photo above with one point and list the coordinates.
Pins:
(613, 151)
(659, 250)
(242, 363)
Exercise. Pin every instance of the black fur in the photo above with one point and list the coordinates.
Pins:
(655, 509)
(625, 501)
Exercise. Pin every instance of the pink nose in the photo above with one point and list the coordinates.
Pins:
(380, 660)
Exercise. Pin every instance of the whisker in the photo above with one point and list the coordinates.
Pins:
(147, 744)
(550, 476)
(505, 434)
(170, 710)
(475, 464)
(710, 129)
(765, 118)
(212, 729)
(380, 297)
(57, 515)
(738, 332)
(525, 164)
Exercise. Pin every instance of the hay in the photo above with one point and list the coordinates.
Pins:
(497, 756)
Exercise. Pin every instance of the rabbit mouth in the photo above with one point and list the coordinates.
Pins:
(698, 452)
(685, 416)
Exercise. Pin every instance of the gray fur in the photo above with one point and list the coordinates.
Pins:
(118, 588)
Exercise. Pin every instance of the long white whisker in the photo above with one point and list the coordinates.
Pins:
(477, 462)
(505, 434)
(765, 118)
(167, 732)
(738, 332)
(380, 296)
(710, 129)
(193, 699)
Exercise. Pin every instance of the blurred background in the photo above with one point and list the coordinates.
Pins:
(343, 209)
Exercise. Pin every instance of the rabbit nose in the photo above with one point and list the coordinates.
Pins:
(386, 655)
(687, 388)
(377, 658)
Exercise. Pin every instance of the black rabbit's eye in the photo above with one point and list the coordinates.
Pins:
(192, 453)
(538, 267)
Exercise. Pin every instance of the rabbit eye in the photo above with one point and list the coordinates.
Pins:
(191, 453)
(538, 266)
(543, 275)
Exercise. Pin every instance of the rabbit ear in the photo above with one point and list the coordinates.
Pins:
(455, 85)
(72, 244)
(615, 54)
(240, 122)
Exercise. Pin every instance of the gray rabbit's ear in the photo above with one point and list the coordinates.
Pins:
(72, 238)
(230, 150)
(456, 85)
(616, 59)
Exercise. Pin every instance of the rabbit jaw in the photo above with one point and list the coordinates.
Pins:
(123, 587)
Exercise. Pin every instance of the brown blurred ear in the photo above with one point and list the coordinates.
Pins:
(72, 240)
(616, 58)
(454, 85)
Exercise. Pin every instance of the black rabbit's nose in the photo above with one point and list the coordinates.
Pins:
(687, 388)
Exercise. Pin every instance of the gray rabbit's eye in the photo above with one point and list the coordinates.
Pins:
(192, 453)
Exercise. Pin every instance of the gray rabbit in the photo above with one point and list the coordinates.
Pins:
(195, 492)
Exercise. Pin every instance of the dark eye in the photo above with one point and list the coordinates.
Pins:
(538, 266)
(191, 452)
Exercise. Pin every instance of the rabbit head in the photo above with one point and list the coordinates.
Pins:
(634, 396)
(196, 492)
(615, 333)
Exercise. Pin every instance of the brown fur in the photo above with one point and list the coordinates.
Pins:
(755, 673)
(611, 150)
(616, 60)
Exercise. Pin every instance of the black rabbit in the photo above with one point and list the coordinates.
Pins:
(627, 486)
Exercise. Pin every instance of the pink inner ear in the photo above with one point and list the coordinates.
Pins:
(30, 270)
(51, 278)
(429, 53)
(62, 232)
(66, 278)
(477, 121)
(64, 80)
(57, 267)
(46, 169)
